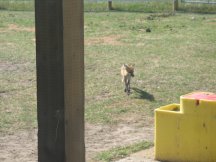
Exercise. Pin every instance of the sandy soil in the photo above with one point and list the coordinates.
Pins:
(102, 138)
(22, 146)
(19, 147)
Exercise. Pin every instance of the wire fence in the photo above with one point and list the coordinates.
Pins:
(149, 6)
(199, 1)
(200, 6)
(127, 1)
(129, 5)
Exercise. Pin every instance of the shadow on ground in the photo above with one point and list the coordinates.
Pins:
(140, 94)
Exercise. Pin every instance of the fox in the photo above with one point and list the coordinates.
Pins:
(127, 71)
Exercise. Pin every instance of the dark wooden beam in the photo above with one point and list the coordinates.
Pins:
(110, 5)
(60, 80)
(74, 80)
(175, 5)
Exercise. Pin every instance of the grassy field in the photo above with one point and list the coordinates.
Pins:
(176, 57)
(17, 68)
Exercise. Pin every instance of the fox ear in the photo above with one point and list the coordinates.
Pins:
(132, 65)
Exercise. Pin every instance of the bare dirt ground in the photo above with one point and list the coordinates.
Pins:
(108, 40)
(19, 147)
(22, 146)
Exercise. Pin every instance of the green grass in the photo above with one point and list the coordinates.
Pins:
(17, 68)
(121, 152)
(175, 58)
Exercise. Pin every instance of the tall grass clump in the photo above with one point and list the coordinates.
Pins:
(17, 5)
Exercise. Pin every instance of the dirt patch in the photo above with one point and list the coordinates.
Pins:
(18, 147)
(8, 66)
(103, 95)
(22, 146)
(18, 28)
(107, 40)
(14, 27)
(14, 66)
(100, 138)
(212, 23)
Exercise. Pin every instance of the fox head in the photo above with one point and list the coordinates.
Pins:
(130, 68)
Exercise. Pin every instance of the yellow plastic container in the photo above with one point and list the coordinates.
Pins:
(186, 132)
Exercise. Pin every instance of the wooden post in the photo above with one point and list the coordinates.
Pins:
(175, 5)
(110, 5)
(74, 80)
(60, 80)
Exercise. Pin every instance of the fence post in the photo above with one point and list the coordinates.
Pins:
(175, 5)
(110, 5)
(73, 37)
(60, 80)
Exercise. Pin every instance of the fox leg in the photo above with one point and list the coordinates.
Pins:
(125, 81)
(128, 87)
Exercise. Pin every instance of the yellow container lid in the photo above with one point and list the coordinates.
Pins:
(201, 96)
(198, 102)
